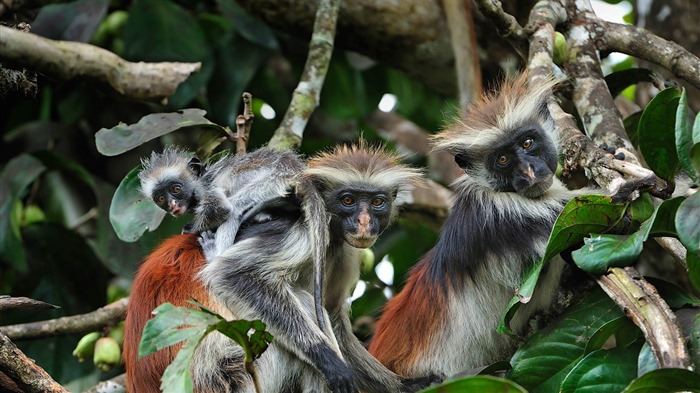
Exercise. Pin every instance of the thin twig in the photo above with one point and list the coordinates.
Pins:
(108, 315)
(506, 25)
(244, 123)
(307, 94)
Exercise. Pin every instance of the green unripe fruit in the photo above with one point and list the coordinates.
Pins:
(560, 52)
(107, 353)
(367, 259)
(86, 346)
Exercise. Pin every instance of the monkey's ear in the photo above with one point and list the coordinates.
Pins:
(463, 162)
(196, 166)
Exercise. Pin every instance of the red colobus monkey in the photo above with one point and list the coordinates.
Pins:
(265, 274)
(505, 206)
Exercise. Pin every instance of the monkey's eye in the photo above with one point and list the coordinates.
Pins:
(176, 189)
(347, 200)
(160, 199)
(503, 160)
(527, 143)
(378, 202)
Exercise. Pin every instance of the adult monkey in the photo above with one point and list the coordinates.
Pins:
(505, 207)
(265, 266)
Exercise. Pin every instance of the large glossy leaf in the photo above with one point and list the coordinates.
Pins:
(122, 138)
(656, 133)
(603, 371)
(15, 177)
(74, 21)
(543, 361)
(688, 223)
(684, 136)
(481, 384)
(130, 213)
(580, 217)
(665, 380)
(602, 251)
(673, 295)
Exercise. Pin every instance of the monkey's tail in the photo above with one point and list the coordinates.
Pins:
(317, 222)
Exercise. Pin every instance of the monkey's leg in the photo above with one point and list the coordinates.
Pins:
(213, 208)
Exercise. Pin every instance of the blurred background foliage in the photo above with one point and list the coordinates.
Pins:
(56, 242)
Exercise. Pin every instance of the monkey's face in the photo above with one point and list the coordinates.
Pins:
(524, 164)
(359, 214)
(174, 197)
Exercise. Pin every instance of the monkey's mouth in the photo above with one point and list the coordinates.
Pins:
(538, 188)
(177, 211)
(360, 242)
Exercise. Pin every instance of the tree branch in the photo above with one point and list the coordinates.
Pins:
(68, 60)
(463, 38)
(640, 43)
(642, 303)
(108, 315)
(506, 25)
(307, 94)
(23, 371)
(23, 303)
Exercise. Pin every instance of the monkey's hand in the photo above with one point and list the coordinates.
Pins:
(411, 385)
(207, 240)
(339, 376)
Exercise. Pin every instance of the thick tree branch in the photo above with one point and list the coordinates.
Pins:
(307, 94)
(642, 44)
(640, 301)
(23, 371)
(68, 60)
(108, 315)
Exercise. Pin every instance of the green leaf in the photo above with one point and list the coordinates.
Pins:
(601, 336)
(647, 361)
(171, 325)
(694, 269)
(602, 251)
(675, 296)
(688, 223)
(620, 80)
(580, 217)
(16, 176)
(603, 371)
(130, 213)
(684, 136)
(481, 384)
(642, 208)
(121, 138)
(665, 380)
(543, 361)
(656, 133)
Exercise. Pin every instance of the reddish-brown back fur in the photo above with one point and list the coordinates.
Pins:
(167, 275)
(418, 308)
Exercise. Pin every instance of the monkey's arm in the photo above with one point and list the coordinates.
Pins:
(252, 292)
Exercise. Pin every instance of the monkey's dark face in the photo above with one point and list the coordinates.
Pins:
(174, 197)
(524, 164)
(359, 214)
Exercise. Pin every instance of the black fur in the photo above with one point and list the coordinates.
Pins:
(344, 216)
(467, 239)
